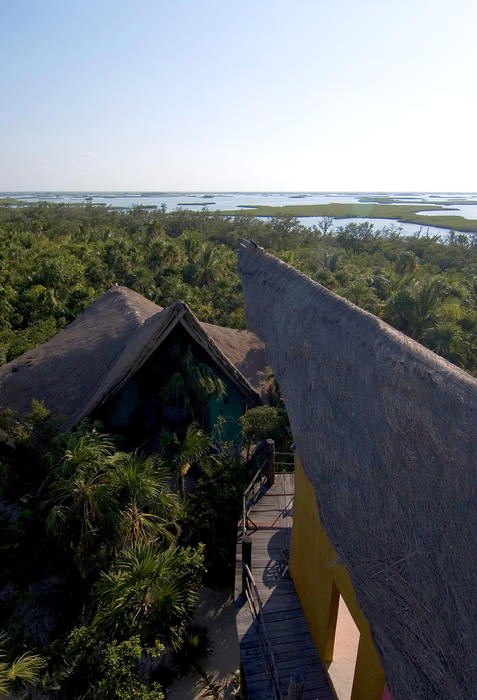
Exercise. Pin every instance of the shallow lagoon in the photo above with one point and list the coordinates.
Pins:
(236, 201)
(400, 227)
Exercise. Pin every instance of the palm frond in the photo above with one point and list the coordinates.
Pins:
(145, 585)
(207, 684)
(22, 671)
(135, 478)
(25, 668)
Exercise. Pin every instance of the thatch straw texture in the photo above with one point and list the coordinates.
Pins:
(386, 431)
(85, 364)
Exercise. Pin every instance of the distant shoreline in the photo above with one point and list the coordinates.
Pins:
(414, 208)
(406, 213)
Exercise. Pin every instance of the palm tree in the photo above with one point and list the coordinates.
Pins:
(150, 511)
(180, 453)
(86, 448)
(83, 503)
(191, 246)
(428, 294)
(103, 500)
(136, 478)
(208, 264)
(148, 591)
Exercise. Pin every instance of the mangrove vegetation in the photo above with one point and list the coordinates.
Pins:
(56, 259)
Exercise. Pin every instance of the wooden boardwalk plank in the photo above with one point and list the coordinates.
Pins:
(292, 645)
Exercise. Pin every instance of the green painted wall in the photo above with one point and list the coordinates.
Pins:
(231, 407)
(118, 409)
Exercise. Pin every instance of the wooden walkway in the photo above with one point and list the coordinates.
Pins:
(291, 642)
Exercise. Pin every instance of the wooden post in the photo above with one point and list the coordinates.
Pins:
(271, 461)
(243, 683)
(296, 686)
(246, 559)
(332, 620)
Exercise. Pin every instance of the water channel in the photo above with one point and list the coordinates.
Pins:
(236, 201)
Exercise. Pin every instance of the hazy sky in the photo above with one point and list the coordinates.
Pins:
(243, 95)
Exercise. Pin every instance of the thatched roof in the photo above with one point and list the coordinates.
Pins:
(386, 431)
(78, 369)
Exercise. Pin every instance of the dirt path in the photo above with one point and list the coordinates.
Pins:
(215, 610)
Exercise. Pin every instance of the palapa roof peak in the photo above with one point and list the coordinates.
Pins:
(78, 369)
(386, 432)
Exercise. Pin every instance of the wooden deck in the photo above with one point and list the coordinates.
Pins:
(291, 642)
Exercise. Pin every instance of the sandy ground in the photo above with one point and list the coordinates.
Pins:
(215, 611)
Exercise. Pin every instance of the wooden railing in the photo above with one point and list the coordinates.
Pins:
(256, 608)
(285, 461)
(264, 474)
(250, 493)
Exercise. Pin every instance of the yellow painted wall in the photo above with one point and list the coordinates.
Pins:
(318, 578)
